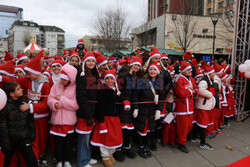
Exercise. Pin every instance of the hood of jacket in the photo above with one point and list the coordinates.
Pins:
(71, 72)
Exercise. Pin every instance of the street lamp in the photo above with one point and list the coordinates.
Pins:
(214, 18)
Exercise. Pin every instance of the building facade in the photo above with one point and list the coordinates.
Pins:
(223, 7)
(48, 37)
(163, 31)
(97, 44)
(8, 15)
(157, 8)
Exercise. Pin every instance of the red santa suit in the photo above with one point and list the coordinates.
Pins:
(1, 158)
(37, 94)
(230, 111)
(185, 90)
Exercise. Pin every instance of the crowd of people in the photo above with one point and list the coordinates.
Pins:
(106, 104)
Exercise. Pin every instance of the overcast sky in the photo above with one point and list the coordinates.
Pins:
(75, 17)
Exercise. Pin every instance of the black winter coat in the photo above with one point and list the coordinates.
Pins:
(85, 91)
(127, 91)
(15, 125)
(107, 98)
(147, 110)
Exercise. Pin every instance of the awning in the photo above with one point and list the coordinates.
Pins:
(124, 52)
(167, 51)
(107, 54)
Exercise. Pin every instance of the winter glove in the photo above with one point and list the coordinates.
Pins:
(157, 114)
(126, 104)
(135, 113)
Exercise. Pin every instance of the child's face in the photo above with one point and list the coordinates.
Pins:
(64, 82)
(56, 69)
(110, 81)
(187, 73)
(18, 92)
(136, 67)
(32, 76)
(152, 72)
(19, 73)
(74, 61)
(90, 63)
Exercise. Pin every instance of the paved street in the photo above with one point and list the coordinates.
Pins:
(237, 136)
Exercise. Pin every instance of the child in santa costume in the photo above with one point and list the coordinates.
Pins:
(74, 59)
(108, 132)
(169, 129)
(186, 88)
(19, 71)
(63, 104)
(204, 104)
(86, 90)
(147, 114)
(127, 85)
(22, 59)
(37, 88)
(230, 111)
(56, 67)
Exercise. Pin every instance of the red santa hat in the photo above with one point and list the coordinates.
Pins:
(157, 66)
(109, 73)
(122, 62)
(58, 62)
(8, 56)
(194, 62)
(34, 66)
(138, 52)
(74, 54)
(198, 73)
(100, 59)
(187, 55)
(80, 41)
(88, 55)
(185, 66)
(21, 56)
(136, 60)
(171, 70)
(217, 68)
(47, 72)
(164, 56)
(112, 58)
(226, 68)
(208, 70)
(64, 75)
(20, 67)
(8, 68)
(153, 53)
(224, 76)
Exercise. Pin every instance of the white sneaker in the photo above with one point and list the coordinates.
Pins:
(67, 164)
(88, 165)
(59, 164)
(92, 161)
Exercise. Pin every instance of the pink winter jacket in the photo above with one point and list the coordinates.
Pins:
(67, 114)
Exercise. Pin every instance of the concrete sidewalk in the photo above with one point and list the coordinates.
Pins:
(237, 136)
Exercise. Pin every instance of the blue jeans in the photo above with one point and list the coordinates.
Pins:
(83, 150)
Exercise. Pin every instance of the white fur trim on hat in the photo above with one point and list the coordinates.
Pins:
(164, 57)
(102, 63)
(200, 75)
(155, 68)
(6, 73)
(138, 63)
(80, 43)
(20, 70)
(90, 57)
(206, 73)
(63, 76)
(54, 64)
(32, 71)
(187, 68)
(224, 77)
(22, 58)
(220, 71)
(109, 75)
(47, 73)
(157, 54)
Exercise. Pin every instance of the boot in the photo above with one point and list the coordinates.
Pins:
(112, 159)
(118, 155)
(107, 163)
(129, 153)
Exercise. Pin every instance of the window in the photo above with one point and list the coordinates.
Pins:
(31, 24)
(25, 24)
(53, 36)
(206, 58)
(221, 4)
(209, 11)
(229, 2)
